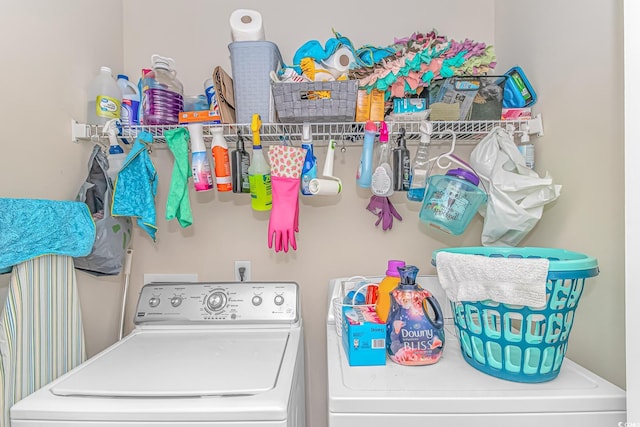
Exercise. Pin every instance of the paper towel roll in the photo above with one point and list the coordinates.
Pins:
(340, 62)
(246, 25)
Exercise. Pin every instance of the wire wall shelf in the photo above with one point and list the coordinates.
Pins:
(353, 132)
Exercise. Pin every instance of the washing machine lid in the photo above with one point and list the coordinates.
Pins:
(182, 363)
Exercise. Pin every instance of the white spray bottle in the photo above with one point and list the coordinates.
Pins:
(382, 178)
(116, 155)
(201, 168)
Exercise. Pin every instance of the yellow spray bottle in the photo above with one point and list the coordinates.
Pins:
(259, 171)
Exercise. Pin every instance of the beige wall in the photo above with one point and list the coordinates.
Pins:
(50, 52)
(573, 57)
(579, 78)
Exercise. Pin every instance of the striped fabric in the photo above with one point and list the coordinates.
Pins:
(41, 334)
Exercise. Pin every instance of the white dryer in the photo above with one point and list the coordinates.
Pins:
(214, 354)
(452, 393)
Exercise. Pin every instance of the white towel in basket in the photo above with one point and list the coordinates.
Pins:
(517, 281)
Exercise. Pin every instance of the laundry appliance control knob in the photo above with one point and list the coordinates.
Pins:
(154, 302)
(278, 300)
(256, 300)
(216, 301)
(176, 301)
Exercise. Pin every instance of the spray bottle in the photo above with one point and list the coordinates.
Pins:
(420, 167)
(221, 164)
(309, 169)
(240, 167)
(363, 177)
(202, 178)
(382, 178)
(117, 155)
(401, 164)
(259, 171)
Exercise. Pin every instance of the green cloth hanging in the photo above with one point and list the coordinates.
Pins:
(178, 199)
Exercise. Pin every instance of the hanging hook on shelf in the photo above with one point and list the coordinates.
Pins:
(449, 154)
(452, 158)
(285, 138)
(343, 148)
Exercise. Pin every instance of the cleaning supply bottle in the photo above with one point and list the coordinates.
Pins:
(259, 171)
(240, 167)
(140, 85)
(212, 98)
(389, 283)
(162, 98)
(309, 169)
(221, 164)
(363, 177)
(201, 168)
(414, 338)
(382, 177)
(130, 101)
(103, 101)
(401, 164)
(420, 167)
(116, 156)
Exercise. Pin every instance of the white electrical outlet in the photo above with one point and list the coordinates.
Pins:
(190, 277)
(246, 275)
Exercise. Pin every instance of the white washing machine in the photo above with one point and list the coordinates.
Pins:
(452, 393)
(214, 354)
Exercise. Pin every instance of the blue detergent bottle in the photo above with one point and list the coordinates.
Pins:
(414, 338)
(309, 168)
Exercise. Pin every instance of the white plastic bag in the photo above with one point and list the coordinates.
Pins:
(517, 194)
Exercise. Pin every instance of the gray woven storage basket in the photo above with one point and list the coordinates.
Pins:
(292, 107)
(251, 63)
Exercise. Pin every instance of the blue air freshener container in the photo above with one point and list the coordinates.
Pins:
(452, 200)
(518, 92)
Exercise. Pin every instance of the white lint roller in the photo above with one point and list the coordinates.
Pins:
(328, 185)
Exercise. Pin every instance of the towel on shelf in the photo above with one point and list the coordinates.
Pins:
(516, 281)
(33, 227)
(136, 186)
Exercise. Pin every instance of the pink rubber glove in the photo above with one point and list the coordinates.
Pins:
(283, 222)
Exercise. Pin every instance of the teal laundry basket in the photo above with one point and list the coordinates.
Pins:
(521, 343)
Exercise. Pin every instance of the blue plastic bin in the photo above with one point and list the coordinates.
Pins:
(521, 343)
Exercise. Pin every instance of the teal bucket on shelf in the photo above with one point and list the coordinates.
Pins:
(521, 343)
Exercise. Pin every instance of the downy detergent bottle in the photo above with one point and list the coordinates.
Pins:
(413, 338)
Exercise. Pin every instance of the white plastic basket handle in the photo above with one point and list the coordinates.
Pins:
(349, 279)
(355, 294)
